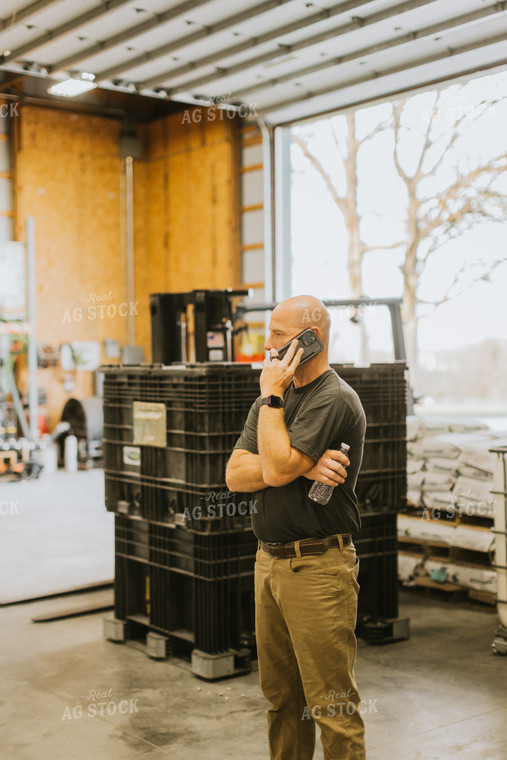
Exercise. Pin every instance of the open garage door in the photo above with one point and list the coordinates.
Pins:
(285, 59)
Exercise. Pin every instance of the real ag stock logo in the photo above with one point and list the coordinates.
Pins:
(216, 510)
(100, 703)
(99, 307)
(9, 507)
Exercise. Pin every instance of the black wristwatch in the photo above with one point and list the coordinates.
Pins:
(275, 401)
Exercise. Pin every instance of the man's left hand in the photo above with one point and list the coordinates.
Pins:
(277, 374)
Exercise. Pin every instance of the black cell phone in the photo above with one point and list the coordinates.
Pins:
(307, 340)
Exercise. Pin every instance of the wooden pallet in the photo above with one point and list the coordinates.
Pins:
(485, 598)
(451, 592)
(454, 592)
(424, 549)
(443, 552)
(427, 513)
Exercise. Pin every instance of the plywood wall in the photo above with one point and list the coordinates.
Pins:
(69, 176)
(187, 208)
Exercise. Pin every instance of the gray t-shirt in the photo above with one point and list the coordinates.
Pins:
(318, 416)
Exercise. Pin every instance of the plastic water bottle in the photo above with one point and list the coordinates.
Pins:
(320, 492)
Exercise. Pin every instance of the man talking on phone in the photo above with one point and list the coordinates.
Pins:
(306, 567)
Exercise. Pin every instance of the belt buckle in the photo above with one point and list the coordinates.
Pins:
(274, 544)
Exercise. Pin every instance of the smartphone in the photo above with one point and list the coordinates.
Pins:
(307, 340)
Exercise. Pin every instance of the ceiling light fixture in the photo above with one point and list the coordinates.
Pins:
(75, 85)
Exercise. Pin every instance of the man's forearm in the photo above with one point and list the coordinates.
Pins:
(273, 441)
(246, 475)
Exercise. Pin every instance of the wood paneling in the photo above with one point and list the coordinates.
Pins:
(70, 178)
(186, 208)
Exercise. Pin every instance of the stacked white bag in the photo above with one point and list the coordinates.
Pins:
(449, 473)
(449, 465)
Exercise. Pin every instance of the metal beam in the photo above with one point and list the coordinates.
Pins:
(53, 34)
(405, 39)
(390, 302)
(16, 18)
(207, 31)
(224, 73)
(283, 223)
(398, 91)
(294, 26)
(129, 245)
(31, 289)
(351, 26)
(375, 75)
(128, 34)
(268, 178)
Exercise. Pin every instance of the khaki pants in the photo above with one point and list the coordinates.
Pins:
(305, 616)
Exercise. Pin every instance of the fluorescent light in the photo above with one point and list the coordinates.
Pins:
(72, 87)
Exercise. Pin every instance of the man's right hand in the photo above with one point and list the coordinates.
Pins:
(330, 468)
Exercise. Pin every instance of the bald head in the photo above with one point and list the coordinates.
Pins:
(301, 312)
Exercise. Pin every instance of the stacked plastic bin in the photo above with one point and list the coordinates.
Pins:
(381, 490)
(184, 548)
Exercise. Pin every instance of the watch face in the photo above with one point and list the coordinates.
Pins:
(274, 401)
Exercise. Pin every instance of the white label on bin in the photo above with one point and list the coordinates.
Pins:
(149, 424)
(132, 455)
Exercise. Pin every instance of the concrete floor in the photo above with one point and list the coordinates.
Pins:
(439, 696)
(55, 535)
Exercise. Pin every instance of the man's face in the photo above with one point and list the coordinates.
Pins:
(281, 331)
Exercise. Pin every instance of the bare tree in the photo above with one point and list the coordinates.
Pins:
(347, 202)
(431, 218)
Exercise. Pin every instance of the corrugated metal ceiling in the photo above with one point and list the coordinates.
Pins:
(284, 59)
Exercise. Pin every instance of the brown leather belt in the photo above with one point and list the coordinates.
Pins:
(306, 546)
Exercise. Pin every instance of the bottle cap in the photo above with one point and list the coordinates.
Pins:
(344, 447)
